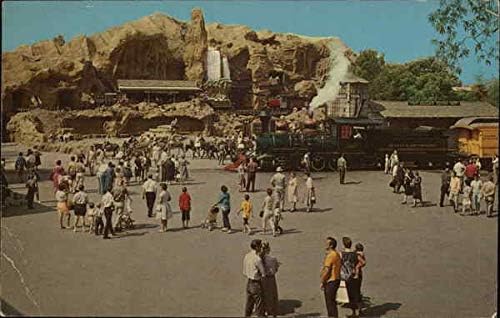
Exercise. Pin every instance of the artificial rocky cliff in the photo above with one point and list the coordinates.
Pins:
(56, 74)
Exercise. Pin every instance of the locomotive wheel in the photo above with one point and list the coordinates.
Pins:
(318, 164)
(332, 164)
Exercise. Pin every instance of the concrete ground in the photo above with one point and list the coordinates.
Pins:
(422, 262)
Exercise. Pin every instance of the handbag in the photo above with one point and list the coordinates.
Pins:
(342, 296)
(158, 208)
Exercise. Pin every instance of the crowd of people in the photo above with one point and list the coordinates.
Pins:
(155, 168)
(462, 184)
(342, 272)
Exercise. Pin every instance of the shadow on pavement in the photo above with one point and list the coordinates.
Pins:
(426, 204)
(288, 306)
(23, 210)
(353, 182)
(290, 231)
(321, 210)
(12, 177)
(179, 229)
(127, 234)
(141, 226)
(8, 310)
(371, 310)
(311, 314)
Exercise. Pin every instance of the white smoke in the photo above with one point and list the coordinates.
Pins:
(339, 67)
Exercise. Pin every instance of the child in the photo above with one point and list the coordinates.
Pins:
(246, 209)
(361, 261)
(91, 216)
(185, 207)
(466, 197)
(99, 224)
(211, 220)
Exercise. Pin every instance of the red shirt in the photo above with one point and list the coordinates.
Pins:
(185, 201)
(470, 170)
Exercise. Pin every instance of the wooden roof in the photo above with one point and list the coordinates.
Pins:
(401, 109)
(173, 85)
(475, 122)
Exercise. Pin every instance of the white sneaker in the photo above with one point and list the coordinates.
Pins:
(229, 231)
(224, 229)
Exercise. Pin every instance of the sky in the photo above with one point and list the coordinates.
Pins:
(399, 29)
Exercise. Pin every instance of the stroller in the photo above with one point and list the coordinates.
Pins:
(211, 221)
(126, 222)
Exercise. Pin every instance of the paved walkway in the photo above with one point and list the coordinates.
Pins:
(422, 262)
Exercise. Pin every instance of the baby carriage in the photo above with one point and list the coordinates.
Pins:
(211, 221)
(126, 222)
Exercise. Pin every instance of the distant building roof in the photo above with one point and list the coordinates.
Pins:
(401, 109)
(157, 85)
(475, 122)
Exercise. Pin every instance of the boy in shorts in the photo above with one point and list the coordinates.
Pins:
(246, 210)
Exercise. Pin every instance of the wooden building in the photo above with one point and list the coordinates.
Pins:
(477, 136)
(400, 114)
(158, 91)
(353, 94)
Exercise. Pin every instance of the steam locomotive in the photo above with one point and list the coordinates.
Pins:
(364, 143)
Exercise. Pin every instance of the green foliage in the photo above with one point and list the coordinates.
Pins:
(419, 81)
(369, 64)
(466, 26)
(493, 94)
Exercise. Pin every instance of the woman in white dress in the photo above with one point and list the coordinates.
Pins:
(165, 211)
(293, 191)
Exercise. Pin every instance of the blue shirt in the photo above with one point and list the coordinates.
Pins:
(224, 201)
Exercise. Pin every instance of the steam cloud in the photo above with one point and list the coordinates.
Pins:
(338, 70)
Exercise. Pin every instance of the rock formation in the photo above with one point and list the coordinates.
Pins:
(196, 47)
(71, 75)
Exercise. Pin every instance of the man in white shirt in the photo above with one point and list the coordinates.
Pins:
(278, 182)
(459, 169)
(149, 189)
(107, 204)
(253, 269)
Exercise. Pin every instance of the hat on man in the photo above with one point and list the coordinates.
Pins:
(279, 169)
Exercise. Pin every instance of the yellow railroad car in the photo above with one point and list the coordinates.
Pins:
(477, 137)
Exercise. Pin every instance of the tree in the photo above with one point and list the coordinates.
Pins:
(420, 81)
(465, 25)
(493, 92)
(369, 64)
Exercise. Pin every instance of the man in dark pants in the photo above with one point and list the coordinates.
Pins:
(107, 203)
(253, 269)
(251, 174)
(149, 193)
(342, 167)
(330, 277)
(445, 185)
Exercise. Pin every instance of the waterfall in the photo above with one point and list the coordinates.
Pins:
(226, 73)
(213, 64)
(338, 70)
